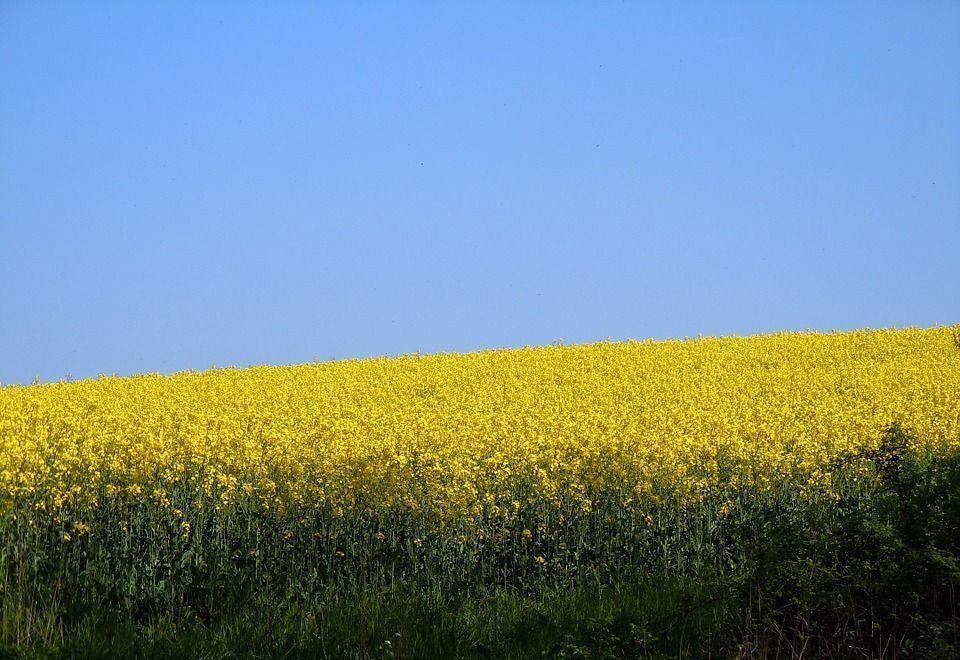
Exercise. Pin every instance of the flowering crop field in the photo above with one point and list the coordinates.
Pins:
(459, 434)
(509, 466)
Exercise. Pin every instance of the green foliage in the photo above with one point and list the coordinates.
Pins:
(876, 574)
(865, 564)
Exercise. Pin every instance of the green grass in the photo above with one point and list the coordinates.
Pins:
(413, 621)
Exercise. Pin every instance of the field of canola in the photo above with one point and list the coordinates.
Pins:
(365, 499)
(464, 435)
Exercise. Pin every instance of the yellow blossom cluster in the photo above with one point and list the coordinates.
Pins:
(460, 433)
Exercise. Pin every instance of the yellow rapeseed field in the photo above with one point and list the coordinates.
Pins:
(453, 432)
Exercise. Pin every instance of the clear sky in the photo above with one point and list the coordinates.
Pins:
(197, 184)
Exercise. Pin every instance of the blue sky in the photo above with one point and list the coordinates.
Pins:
(197, 184)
